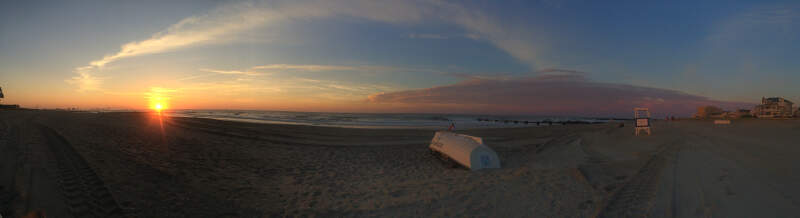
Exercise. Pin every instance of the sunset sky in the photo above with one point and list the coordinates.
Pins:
(520, 57)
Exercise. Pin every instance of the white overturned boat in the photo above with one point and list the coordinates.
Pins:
(468, 151)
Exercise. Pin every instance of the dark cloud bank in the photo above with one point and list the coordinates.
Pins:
(560, 94)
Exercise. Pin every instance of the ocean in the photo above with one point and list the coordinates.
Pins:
(381, 120)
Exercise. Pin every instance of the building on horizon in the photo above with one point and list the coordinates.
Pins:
(740, 113)
(714, 112)
(706, 112)
(775, 107)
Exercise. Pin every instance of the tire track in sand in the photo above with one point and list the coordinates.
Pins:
(637, 196)
(84, 192)
(9, 164)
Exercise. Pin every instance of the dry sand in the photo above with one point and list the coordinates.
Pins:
(68, 164)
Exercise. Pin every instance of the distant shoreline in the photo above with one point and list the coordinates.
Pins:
(427, 121)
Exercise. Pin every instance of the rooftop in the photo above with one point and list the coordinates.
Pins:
(777, 99)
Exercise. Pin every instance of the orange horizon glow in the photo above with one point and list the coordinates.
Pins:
(158, 106)
(158, 99)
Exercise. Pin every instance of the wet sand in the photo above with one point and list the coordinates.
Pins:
(69, 164)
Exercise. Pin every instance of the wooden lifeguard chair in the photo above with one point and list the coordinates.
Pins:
(642, 118)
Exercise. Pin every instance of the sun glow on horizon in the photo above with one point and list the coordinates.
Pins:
(158, 104)
(158, 99)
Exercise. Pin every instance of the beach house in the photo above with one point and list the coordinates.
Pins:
(707, 112)
(740, 113)
(775, 107)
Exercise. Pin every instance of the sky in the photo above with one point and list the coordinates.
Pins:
(548, 57)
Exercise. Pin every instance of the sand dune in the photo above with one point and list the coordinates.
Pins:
(141, 165)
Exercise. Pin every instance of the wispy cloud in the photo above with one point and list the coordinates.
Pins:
(369, 69)
(289, 89)
(426, 36)
(282, 68)
(232, 72)
(314, 68)
(84, 80)
(544, 73)
(191, 31)
(561, 71)
(217, 25)
(262, 82)
(472, 36)
(196, 30)
(348, 88)
(548, 95)
(293, 68)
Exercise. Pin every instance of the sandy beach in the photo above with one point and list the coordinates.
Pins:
(70, 164)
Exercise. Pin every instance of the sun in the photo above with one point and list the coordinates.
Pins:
(158, 99)
(158, 106)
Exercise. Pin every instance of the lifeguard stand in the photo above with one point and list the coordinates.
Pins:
(642, 118)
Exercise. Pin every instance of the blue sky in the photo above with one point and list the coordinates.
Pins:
(334, 55)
